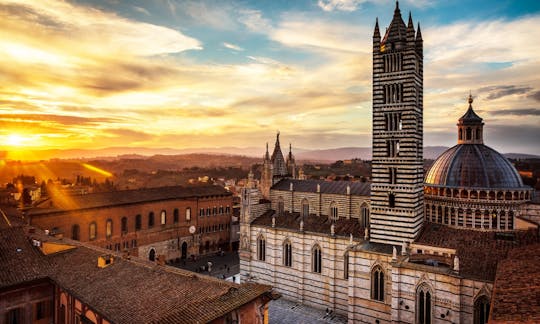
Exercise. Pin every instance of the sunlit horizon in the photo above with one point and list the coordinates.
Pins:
(92, 75)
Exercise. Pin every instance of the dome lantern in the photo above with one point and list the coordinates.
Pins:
(470, 126)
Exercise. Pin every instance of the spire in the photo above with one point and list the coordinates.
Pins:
(267, 155)
(410, 30)
(397, 30)
(418, 34)
(376, 32)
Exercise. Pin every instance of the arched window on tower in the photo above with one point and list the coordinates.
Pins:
(377, 284)
(316, 259)
(478, 134)
(481, 310)
(287, 253)
(468, 133)
(460, 134)
(423, 305)
(261, 248)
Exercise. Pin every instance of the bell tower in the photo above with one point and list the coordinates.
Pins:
(397, 162)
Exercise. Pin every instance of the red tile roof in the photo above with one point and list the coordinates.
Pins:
(473, 246)
(123, 291)
(516, 292)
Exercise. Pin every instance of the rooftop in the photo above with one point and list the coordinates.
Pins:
(312, 223)
(472, 246)
(516, 293)
(327, 187)
(125, 197)
(122, 291)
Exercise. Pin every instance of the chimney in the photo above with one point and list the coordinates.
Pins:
(105, 261)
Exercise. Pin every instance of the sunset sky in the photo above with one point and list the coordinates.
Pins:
(180, 74)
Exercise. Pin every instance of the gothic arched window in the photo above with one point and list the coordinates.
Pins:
(391, 200)
(163, 217)
(481, 310)
(280, 206)
(423, 305)
(287, 253)
(364, 212)
(316, 260)
(377, 284)
(305, 207)
(333, 211)
(261, 248)
(188, 214)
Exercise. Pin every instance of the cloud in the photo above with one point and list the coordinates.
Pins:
(298, 30)
(342, 5)
(496, 92)
(233, 47)
(535, 95)
(141, 10)
(518, 112)
(254, 20)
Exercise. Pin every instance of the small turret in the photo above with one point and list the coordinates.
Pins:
(419, 41)
(410, 31)
(470, 126)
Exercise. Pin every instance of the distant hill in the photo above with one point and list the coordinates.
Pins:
(324, 155)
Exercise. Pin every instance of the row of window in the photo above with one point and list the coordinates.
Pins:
(213, 228)
(123, 246)
(333, 212)
(41, 310)
(424, 300)
(214, 211)
(75, 229)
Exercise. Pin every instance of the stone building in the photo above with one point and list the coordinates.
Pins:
(383, 252)
(275, 167)
(44, 279)
(171, 222)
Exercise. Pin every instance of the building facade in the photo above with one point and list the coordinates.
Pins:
(377, 254)
(171, 222)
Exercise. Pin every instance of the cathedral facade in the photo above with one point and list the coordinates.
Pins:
(404, 248)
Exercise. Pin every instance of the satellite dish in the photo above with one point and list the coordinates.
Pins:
(192, 229)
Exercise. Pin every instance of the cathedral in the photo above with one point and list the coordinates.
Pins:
(404, 248)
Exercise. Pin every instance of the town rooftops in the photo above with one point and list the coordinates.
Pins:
(326, 187)
(126, 197)
(516, 292)
(125, 291)
(478, 252)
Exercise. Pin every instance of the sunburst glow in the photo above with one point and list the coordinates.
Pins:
(15, 140)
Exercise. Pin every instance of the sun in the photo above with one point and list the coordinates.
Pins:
(15, 140)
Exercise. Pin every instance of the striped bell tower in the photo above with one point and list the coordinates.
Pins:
(397, 163)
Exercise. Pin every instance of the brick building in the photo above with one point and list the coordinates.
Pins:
(171, 222)
(49, 280)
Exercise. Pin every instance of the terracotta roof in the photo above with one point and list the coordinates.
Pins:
(516, 292)
(327, 187)
(472, 246)
(312, 223)
(125, 197)
(123, 291)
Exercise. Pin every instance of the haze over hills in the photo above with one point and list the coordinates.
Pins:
(321, 155)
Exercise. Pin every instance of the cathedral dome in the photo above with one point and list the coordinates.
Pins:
(473, 166)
